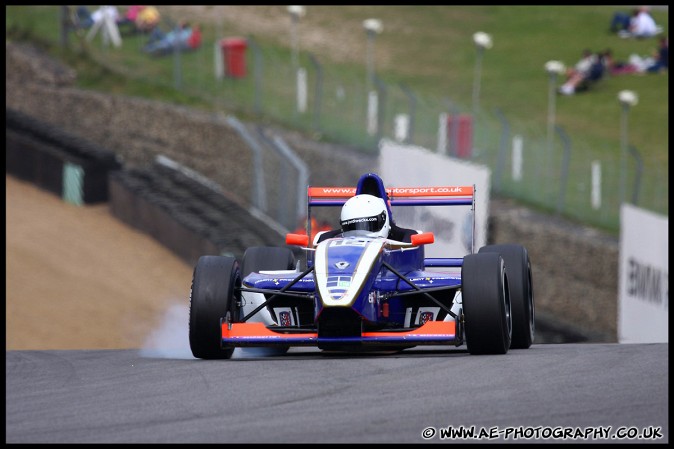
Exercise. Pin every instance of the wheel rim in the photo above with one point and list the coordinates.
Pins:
(530, 300)
(506, 303)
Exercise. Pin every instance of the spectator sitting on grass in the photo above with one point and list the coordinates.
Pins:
(613, 67)
(184, 37)
(147, 19)
(600, 64)
(642, 25)
(138, 18)
(576, 74)
(661, 58)
(655, 63)
(620, 22)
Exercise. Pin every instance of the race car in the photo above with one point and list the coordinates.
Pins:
(365, 286)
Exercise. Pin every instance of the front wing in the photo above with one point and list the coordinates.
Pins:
(257, 334)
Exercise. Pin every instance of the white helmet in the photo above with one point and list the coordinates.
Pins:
(366, 213)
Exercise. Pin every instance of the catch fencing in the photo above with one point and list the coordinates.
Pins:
(564, 175)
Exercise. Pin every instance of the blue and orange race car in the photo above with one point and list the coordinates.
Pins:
(365, 291)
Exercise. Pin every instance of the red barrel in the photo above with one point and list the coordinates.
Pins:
(234, 55)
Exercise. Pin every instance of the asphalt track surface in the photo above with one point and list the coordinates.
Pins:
(305, 396)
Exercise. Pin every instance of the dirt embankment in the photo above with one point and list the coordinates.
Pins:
(78, 278)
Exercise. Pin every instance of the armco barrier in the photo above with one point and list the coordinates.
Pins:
(132, 202)
(34, 161)
(184, 215)
(64, 164)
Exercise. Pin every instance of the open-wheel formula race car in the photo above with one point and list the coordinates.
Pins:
(366, 286)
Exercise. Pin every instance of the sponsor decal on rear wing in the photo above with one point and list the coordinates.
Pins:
(398, 196)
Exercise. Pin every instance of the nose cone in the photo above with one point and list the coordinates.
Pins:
(342, 266)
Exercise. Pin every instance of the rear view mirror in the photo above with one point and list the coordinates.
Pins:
(423, 238)
(297, 239)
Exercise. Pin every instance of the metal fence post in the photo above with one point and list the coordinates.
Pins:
(381, 112)
(283, 200)
(564, 174)
(319, 92)
(502, 148)
(412, 102)
(258, 67)
(177, 65)
(65, 25)
(259, 199)
(637, 176)
(302, 169)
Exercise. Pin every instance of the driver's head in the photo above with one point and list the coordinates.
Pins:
(366, 213)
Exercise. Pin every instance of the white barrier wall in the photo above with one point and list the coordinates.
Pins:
(643, 291)
(413, 166)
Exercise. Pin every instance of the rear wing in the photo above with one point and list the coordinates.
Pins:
(397, 196)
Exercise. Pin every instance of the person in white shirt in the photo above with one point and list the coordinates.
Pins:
(578, 72)
(587, 71)
(642, 25)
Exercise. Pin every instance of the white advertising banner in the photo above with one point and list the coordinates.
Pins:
(643, 291)
(413, 166)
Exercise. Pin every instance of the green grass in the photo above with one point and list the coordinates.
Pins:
(430, 50)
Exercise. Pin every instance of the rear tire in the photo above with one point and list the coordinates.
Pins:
(486, 304)
(259, 258)
(212, 295)
(518, 268)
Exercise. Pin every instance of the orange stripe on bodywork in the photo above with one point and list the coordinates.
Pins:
(252, 330)
(259, 330)
(430, 328)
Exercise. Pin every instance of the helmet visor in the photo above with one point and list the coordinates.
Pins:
(371, 224)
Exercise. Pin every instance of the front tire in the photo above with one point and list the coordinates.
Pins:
(213, 294)
(518, 267)
(486, 304)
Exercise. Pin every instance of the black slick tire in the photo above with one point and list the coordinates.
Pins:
(486, 304)
(212, 296)
(518, 268)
